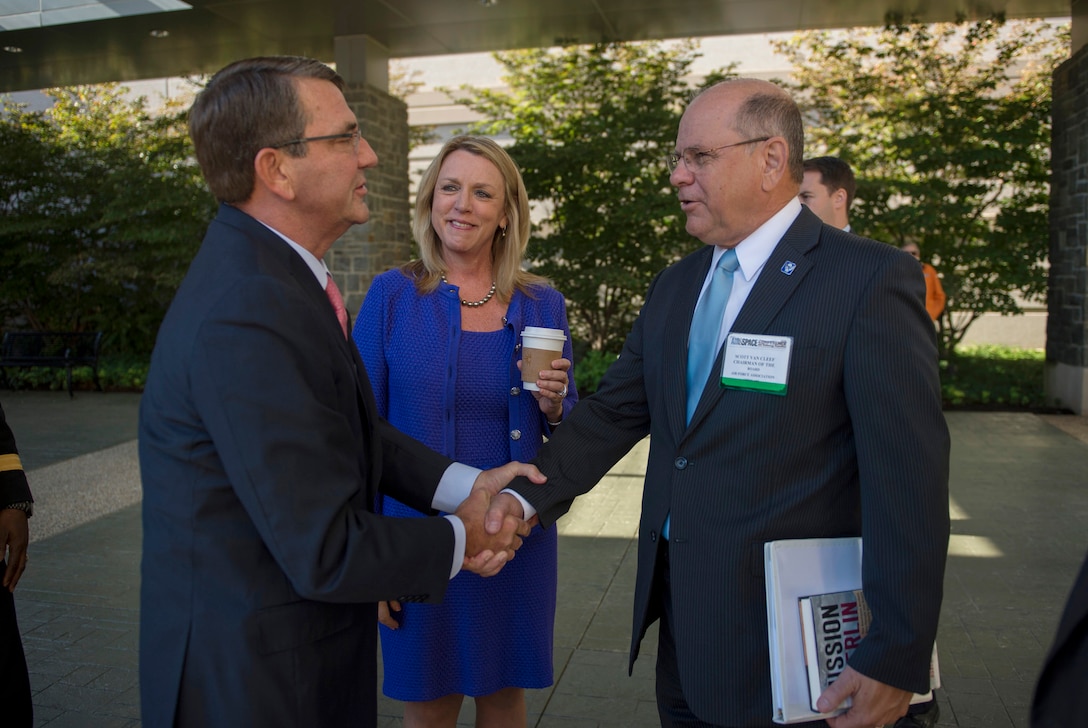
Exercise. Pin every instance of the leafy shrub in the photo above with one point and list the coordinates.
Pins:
(994, 377)
(116, 373)
(980, 376)
(983, 376)
(589, 368)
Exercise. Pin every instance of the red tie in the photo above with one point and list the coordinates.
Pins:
(337, 302)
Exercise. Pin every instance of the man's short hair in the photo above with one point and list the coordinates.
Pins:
(247, 106)
(768, 112)
(773, 114)
(835, 174)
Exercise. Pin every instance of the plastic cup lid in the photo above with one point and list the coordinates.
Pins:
(543, 333)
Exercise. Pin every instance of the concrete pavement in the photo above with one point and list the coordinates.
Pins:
(1019, 506)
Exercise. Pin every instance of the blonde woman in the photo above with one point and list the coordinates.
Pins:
(440, 338)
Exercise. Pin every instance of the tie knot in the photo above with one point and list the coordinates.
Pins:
(728, 261)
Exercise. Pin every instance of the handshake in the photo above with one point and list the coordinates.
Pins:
(495, 522)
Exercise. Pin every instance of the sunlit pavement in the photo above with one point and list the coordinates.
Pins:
(1019, 511)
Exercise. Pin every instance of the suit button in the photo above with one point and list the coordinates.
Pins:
(680, 463)
(653, 536)
(514, 391)
(515, 434)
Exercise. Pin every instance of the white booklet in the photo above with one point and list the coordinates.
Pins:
(832, 626)
(798, 569)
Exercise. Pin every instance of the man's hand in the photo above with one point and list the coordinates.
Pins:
(498, 478)
(486, 553)
(504, 506)
(874, 703)
(14, 537)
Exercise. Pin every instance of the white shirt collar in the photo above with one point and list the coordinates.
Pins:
(317, 266)
(754, 250)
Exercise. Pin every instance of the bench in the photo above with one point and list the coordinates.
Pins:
(59, 349)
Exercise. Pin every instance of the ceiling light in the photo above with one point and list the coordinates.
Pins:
(13, 49)
(489, 3)
(159, 33)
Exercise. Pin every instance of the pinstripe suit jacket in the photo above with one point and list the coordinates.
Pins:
(858, 445)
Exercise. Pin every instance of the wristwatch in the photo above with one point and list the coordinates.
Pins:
(26, 507)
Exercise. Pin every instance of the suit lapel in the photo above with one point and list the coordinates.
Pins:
(676, 344)
(294, 267)
(368, 407)
(781, 275)
(346, 346)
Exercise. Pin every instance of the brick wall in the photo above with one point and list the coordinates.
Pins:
(386, 240)
(1067, 297)
(1067, 303)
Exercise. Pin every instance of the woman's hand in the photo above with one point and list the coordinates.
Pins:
(385, 613)
(553, 386)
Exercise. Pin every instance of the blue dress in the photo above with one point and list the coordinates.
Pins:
(460, 393)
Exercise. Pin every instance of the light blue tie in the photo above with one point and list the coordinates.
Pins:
(705, 325)
(703, 337)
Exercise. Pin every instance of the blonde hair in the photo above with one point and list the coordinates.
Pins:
(509, 244)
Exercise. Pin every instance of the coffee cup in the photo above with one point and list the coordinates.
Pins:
(539, 348)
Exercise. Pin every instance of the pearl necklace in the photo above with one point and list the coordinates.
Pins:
(474, 304)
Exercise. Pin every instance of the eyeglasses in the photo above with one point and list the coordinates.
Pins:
(354, 135)
(696, 159)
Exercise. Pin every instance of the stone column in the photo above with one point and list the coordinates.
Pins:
(386, 240)
(1067, 296)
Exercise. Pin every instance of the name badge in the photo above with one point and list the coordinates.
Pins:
(756, 362)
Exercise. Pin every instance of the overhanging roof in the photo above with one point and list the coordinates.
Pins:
(139, 39)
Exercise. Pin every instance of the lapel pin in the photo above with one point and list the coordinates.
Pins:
(789, 267)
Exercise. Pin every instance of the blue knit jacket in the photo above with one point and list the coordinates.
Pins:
(398, 324)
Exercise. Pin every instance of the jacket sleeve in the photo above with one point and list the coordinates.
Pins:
(596, 434)
(13, 484)
(893, 393)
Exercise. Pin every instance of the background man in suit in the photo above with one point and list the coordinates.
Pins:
(855, 445)
(16, 505)
(1061, 699)
(261, 451)
(828, 188)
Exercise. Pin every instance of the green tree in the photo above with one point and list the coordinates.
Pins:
(101, 209)
(591, 126)
(948, 129)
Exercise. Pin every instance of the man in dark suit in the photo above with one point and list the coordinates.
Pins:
(16, 505)
(1061, 695)
(261, 452)
(846, 437)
